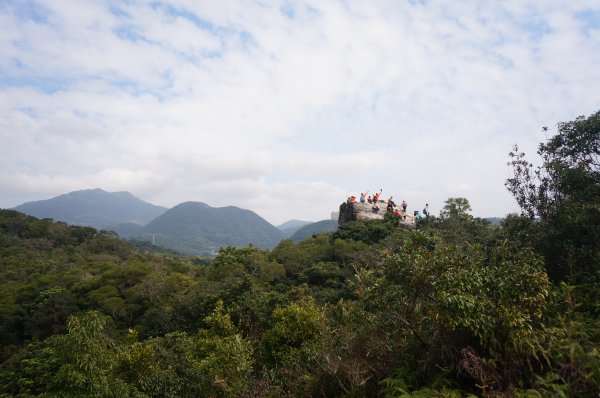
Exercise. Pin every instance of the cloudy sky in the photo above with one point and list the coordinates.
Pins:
(287, 107)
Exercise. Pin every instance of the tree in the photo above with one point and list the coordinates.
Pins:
(455, 225)
(564, 192)
(225, 357)
(86, 359)
(455, 208)
(570, 171)
(369, 231)
(295, 336)
(443, 309)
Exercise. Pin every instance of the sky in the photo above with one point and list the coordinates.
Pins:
(287, 107)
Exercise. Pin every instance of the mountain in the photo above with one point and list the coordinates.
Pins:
(196, 228)
(126, 230)
(94, 207)
(289, 227)
(315, 228)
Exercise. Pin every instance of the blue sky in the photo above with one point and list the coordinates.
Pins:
(287, 107)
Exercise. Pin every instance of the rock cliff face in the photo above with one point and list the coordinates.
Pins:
(364, 211)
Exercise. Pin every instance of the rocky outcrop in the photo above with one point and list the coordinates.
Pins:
(364, 211)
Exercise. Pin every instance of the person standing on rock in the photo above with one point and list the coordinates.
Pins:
(404, 206)
(426, 210)
(363, 196)
(376, 197)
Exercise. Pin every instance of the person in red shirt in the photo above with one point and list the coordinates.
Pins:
(376, 197)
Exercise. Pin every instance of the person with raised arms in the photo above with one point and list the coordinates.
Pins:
(376, 197)
(363, 197)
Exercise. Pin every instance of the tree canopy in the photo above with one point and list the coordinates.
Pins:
(457, 307)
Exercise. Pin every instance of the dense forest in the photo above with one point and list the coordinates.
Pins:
(457, 307)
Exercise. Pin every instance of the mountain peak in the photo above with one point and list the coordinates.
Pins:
(192, 205)
(94, 207)
(197, 228)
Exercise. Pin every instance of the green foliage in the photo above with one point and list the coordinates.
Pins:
(565, 193)
(248, 260)
(369, 232)
(456, 308)
(458, 227)
(295, 336)
(570, 171)
(455, 208)
(162, 367)
(195, 228)
(225, 357)
(573, 350)
(397, 386)
(297, 257)
(357, 351)
(29, 371)
(85, 359)
(325, 274)
(50, 312)
(319, 227)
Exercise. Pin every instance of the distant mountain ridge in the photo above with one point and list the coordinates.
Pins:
(192, 228)
(319, 227)
(96, 208)
(290, 227)
(195, 228)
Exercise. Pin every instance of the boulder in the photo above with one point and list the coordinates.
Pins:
(364, 211)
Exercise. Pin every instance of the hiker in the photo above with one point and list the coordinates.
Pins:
(369, 199)
(396, 213)
(376, 197)
(418, 215)
(363, 196)
(352, 199)
(426, 210)
(404, 206)
(391, 200)
(390, 205)
(375, 208)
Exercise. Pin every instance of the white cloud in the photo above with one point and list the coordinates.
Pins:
(236, 103)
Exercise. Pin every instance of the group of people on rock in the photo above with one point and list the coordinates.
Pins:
(398, 211)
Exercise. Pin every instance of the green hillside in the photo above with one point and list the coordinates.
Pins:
(196, 228)
(456, 307)
(289, 227)
(315, 228)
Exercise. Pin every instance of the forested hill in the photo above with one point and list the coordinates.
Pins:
(94, 207)
(456, 307)
(289, 227)
(196, 228)
(315, 228)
